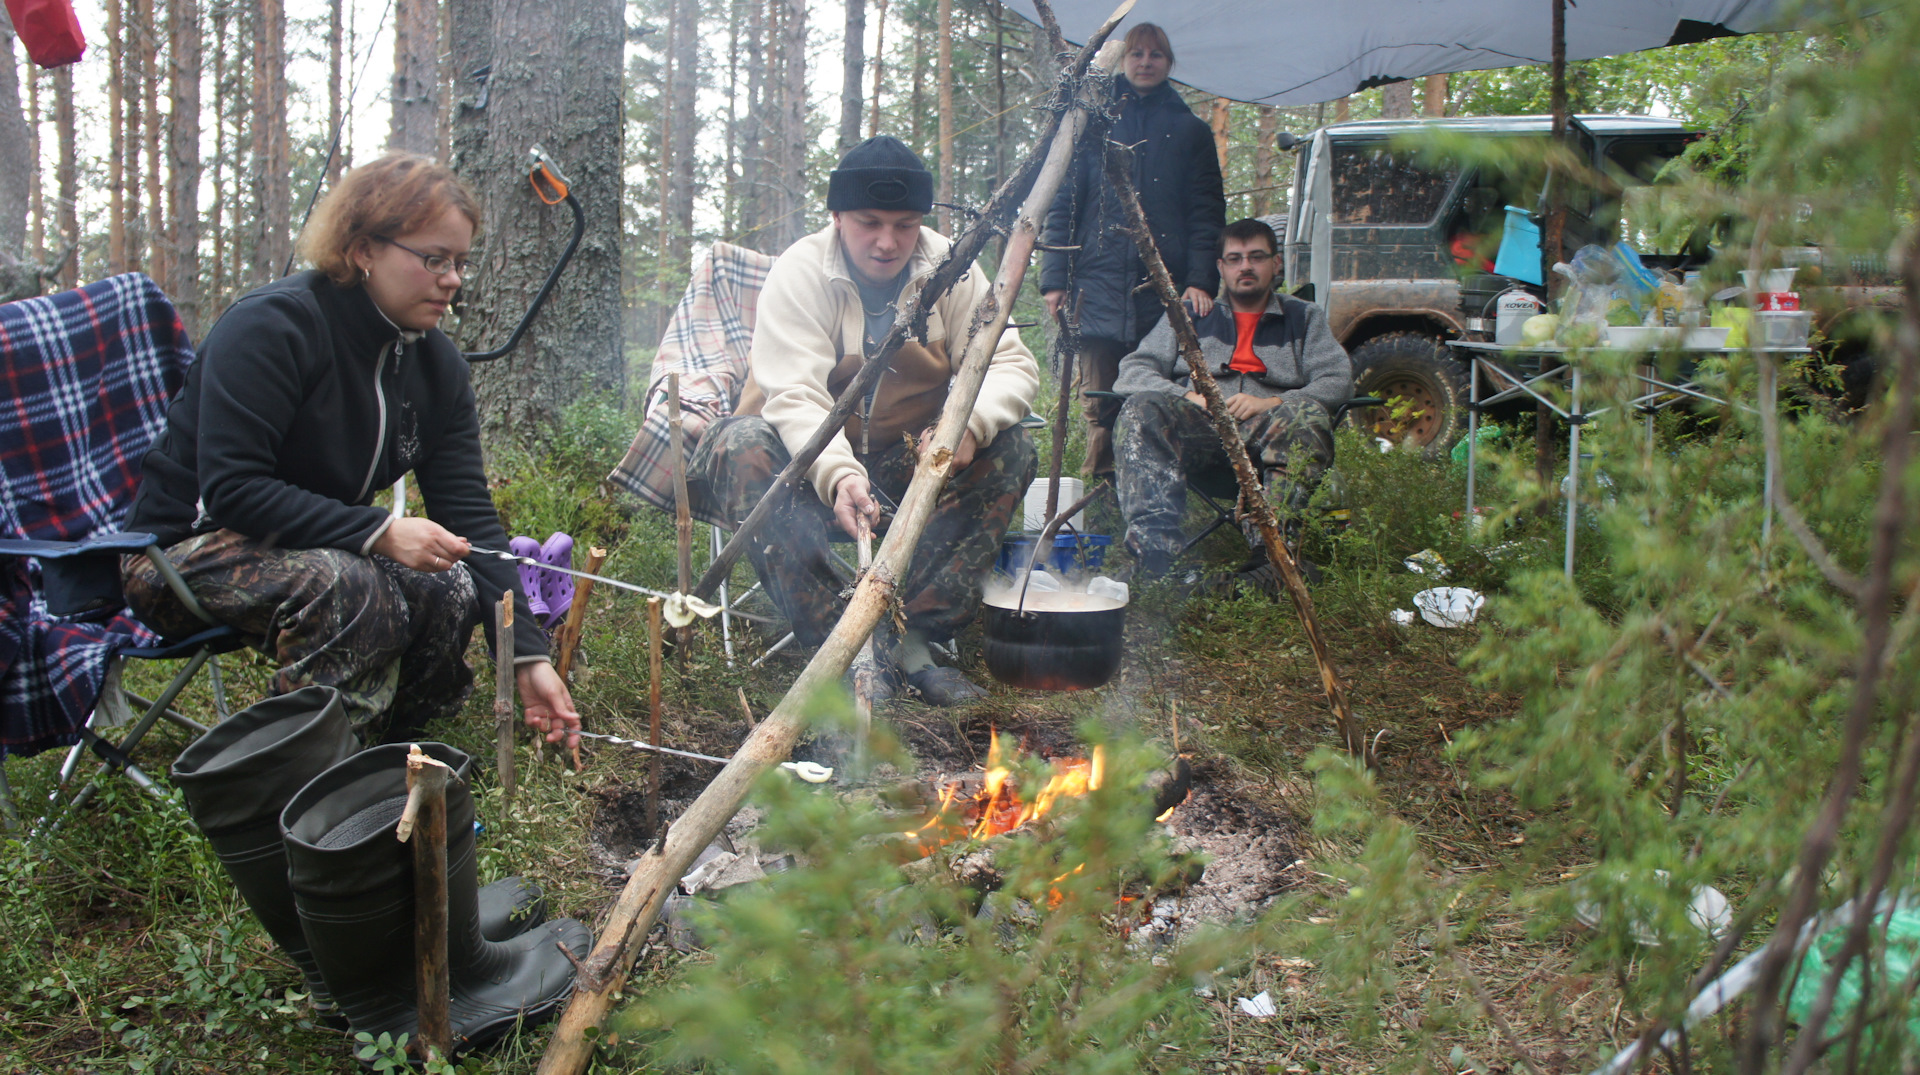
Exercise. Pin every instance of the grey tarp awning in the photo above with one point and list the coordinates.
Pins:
(1292, 52)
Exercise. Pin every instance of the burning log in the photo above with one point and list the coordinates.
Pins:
(639, 905)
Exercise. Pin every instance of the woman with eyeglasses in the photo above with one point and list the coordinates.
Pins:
(1092, 271)
(309, 396)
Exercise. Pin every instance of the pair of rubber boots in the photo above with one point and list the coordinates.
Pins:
(305, 827)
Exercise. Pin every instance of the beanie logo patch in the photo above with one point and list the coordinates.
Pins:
(887, 191)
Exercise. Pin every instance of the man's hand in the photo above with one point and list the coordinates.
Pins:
(1201, 302)
(1243, 406)
(1056, 301)
(546, 704)
(421, 544)
(853, 506)
(962, 456)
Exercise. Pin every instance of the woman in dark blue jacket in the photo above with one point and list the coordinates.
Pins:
(311, 394)
(1177, 172)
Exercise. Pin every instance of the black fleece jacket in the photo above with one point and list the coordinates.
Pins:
(304, 402)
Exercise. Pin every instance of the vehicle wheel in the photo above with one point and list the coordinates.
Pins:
(1426, 399)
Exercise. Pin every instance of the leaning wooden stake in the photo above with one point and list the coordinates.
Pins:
(503, 693)
(569, 639)
(423, 822)
(1120, 177)
(653, 713)
(606, 970)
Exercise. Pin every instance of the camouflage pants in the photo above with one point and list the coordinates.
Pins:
(737, 461)
(391, 639)
(1164, 439)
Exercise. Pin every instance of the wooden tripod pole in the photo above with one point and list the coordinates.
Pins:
(1120, 177)
(639, 905)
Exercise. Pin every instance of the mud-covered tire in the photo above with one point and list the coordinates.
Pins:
(1421, 381)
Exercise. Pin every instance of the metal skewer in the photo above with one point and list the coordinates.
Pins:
(529, 561)
(638, 745)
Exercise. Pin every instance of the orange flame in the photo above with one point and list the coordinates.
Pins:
(1000, 806)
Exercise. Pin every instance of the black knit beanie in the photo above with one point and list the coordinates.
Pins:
(880, 173)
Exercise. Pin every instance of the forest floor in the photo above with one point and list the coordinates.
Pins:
(125, 949)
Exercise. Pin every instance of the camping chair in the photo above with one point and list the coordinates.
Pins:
(90, 374)
(706, 344)
(1218, 488)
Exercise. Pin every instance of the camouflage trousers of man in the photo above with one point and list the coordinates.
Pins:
(391, 639)
(736, 463)
(1164, 439)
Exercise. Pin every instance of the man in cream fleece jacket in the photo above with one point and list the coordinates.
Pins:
(828, 302)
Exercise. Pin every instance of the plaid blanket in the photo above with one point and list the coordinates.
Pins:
(89, 374)
(706, 343)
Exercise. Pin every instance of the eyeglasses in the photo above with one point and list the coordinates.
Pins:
(1251, 257)
(437, 264)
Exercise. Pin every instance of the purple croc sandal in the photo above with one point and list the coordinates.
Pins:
(530, 576)
(556, 589)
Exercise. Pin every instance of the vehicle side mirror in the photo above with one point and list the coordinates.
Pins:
(1286, 140)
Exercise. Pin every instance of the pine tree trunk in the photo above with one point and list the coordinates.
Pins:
(753, 170)
(663, 176)
(158, 261)
(1221, 120)
(686, 128)
(1396, 100)
(67, 175)
(183, 133)
(1435, 103)
(131, 141)
(556, 80)
(336, 41)
(36, 188)
(853, 59)
(879, 65)
(1343, 110)
(1266, 129)
(944, 77)
(793, 124)
(116, 151)
(416, 73)
(19, 271)
(279, 163)
(216, 290)
(730, 207)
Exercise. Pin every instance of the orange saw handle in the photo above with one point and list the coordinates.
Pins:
(549, 182)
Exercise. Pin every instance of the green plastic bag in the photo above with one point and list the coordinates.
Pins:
(1903, 949)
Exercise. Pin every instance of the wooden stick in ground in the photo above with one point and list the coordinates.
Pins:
(569, 639)
(682, 512)
(1066, 345)
(653, 713)
(503, 693)
(423, 822)
(1120, 177)
(639, 905)
(866, 665)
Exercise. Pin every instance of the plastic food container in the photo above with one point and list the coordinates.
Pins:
(1781, 328)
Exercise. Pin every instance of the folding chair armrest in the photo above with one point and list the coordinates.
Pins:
(1096, 394)
(92, 545)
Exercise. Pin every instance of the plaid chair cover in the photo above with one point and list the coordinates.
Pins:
(706, 343)
(89, 374)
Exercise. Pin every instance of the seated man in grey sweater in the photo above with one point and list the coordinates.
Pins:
(1282, 374)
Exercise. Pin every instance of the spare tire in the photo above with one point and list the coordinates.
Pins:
(1422, 384)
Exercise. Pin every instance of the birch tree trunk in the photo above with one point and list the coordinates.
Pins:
(16, 168)
(555, 81)
(183, 157)
(853, 65)
(414, 126)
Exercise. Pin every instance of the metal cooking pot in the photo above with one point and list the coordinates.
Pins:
(1047, 648)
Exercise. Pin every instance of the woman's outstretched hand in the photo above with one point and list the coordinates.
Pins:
(545, 702)
(421, 544)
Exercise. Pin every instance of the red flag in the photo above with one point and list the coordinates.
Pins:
(49, 29)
